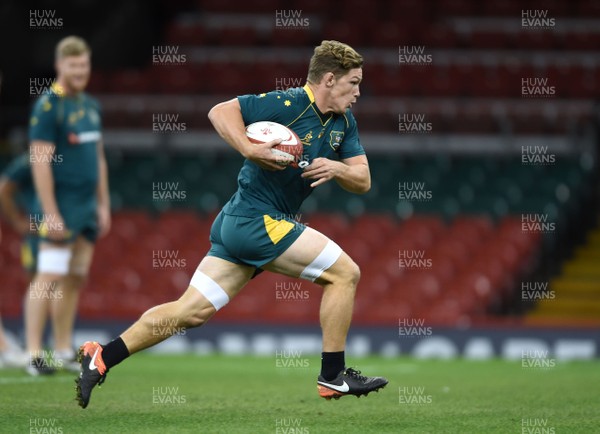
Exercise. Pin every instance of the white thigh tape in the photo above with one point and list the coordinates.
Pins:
(210, 289)
(326, 259)
(54, 260)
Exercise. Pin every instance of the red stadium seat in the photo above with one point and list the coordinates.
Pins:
(130, 81)
(390, 34)
(440, 36)
(98, 82)
(177, 80)
(536, 40)
(457, 8)
(185, 33)
(482, 39)
(474, 267)
(330, 225)
(357, 248)
(290, 37)
(344, 31)
(589, 8)
(394, 81)
(510, 8)
(232, 36)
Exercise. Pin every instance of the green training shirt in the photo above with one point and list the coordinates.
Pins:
(330, 136)
(73, 125)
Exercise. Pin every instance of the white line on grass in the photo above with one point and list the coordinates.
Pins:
(24, 380)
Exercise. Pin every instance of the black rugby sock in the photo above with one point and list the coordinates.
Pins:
(114, 352)
(332, 364)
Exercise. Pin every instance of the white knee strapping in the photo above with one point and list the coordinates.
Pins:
(326, 259)
(210, 289)
(54, 260)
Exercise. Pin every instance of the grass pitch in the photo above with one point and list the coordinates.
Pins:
(223, 394)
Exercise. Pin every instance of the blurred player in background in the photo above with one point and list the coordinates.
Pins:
(72, 207)
(17, 195)
(10, 355)
(256, 230)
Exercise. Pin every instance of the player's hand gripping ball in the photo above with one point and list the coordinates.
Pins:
(289, 150)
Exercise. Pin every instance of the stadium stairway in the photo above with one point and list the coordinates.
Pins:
(574, 295)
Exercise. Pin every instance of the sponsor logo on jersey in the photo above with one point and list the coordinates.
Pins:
(83, 137)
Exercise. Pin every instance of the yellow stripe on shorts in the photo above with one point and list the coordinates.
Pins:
(26, 255)
(277, 229)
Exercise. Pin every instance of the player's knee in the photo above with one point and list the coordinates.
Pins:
(195, 314)
(345, 273)
(80, 266)
(356, 273)
(197, 319)
(73, 282)
(46, 279)
(351, 273)
(44, 286)
(324, 267)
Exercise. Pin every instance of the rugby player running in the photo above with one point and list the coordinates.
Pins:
(255, 229)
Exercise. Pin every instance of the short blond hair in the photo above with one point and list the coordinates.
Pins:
(72, 46)
(335, 57)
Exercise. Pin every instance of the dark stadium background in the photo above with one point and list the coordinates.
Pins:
(481, 131)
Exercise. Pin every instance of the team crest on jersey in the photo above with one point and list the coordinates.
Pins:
(335, 139)
(306, 140)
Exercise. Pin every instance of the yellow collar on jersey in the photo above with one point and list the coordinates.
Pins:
(57, 89)
(309, 92)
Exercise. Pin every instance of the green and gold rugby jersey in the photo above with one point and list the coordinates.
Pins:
(73, 125)
(330, 136)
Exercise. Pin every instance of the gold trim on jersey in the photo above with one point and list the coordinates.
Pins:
(299, 116)
(311, 98)
(319, 116)
(309, 92)
(347, 121)
(57, 89)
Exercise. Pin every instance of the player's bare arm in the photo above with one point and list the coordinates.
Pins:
(41, 169)
(10, 208)
(102, 192)
(352, 174)
(226, 118)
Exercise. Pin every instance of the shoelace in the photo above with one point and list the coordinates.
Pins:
(355, 374)
(101, 380)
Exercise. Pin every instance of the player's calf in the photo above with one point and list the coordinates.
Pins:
(193, 309)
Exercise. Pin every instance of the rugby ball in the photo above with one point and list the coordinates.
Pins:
(290, 149)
